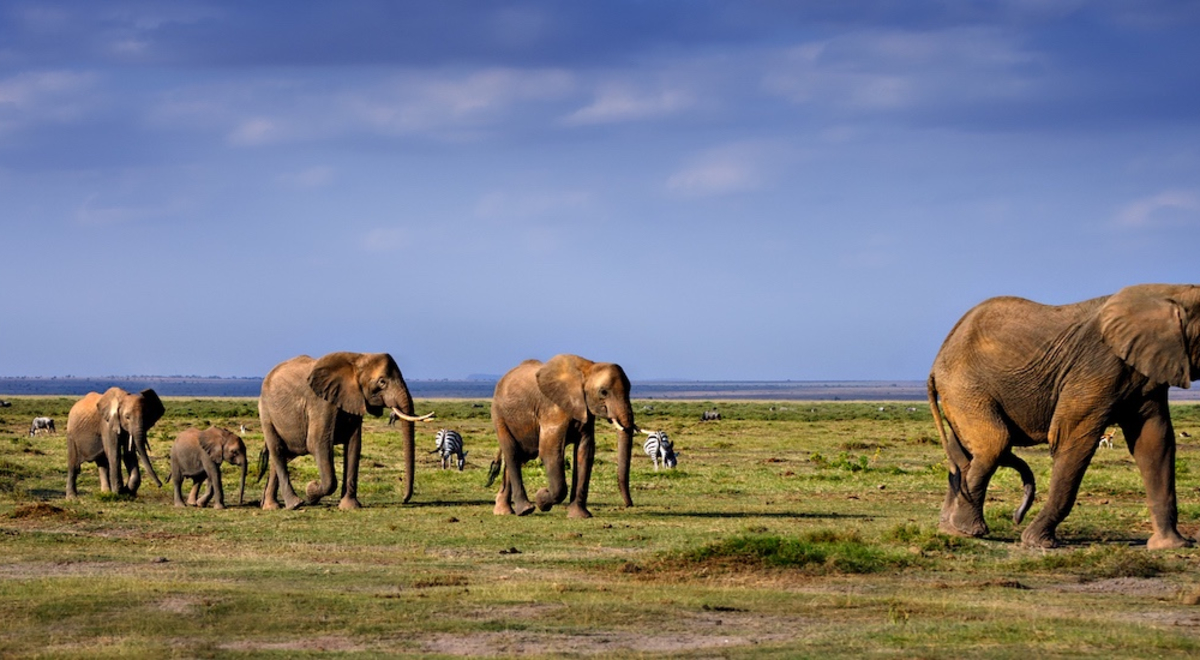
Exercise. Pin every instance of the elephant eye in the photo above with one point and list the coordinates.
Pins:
(603, 392)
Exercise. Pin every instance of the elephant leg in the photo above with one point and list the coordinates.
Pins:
(1153, 448)
(350, 471)
(1071, 457)
(503, 505)
(134, 481)
(102, 472)
(551, 448)
(987, 439)
(512, 473)
(279, 474)
(585, 454)
(112, 465)
(321, 436)
(216, 490)
(177, 486)
(72, 470)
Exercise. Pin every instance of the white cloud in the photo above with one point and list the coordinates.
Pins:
(45, 96)
(730, 169)
(313, 177)
(255, 131)
(615, 103)
(1168, 207)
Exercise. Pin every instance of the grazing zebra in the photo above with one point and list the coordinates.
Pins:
(42, 424)
(450, 443)
(657, 446)
(710, 415)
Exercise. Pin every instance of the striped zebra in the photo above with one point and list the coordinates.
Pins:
(450, 443)
(657, 446)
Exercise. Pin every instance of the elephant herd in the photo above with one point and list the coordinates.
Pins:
(1011, 373)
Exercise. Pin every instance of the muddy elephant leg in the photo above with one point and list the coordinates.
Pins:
(551, 447)
(1153, 447)
(1071, 459)
(102, 472)
(350, 472)
(130, 459)
(585, 454)
(269, 500)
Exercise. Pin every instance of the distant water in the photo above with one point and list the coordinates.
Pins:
(799, 390)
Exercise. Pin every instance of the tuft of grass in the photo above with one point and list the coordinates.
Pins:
(1102, 562)
(822, 552)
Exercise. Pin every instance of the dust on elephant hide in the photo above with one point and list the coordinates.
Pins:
(308, 406)
(110, 429)
(198, 455)
(538, 409)
(1016, 373)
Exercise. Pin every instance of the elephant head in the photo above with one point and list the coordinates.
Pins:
(588, 390)
(1155, 328)
(224, 446)
(361, 383)
(128, 417)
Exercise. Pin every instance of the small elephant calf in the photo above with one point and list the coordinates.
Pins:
(198, 454)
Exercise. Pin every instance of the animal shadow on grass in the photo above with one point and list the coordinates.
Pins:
(764, 514)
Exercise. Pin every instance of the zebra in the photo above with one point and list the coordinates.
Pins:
(450, 443)
(710, 416)
(42, 424)
(657, 446)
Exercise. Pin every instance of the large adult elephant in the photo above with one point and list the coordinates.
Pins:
(1017, 373)
(308, 406)
(110, 429)
(538, 409)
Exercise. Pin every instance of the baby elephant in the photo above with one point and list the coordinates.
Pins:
(199, 454)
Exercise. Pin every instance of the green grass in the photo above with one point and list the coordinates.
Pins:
(788, 530)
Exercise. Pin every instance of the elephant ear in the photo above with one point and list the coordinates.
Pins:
(152, 408)
(1145, 328)
(335, 379)
(210, 442)
(561, 381)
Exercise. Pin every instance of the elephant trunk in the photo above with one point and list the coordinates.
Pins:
(242, 481)
(624, 452)
(138, 439)
(408, 430)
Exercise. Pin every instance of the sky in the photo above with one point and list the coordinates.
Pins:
(694, 189)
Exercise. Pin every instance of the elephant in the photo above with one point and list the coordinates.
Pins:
(309, 405)
(109, 429)
(539, 408)
(198, 455)
(1015, 373)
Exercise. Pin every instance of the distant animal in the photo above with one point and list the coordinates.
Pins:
(198, 455)
(4, 404)
(242, 429)
(659, 446)
(710, 415)
(42, 424)
(450, 443)
(1106, 439)
(393, 418)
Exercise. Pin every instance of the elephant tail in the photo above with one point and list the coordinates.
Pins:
(1013, 461)
(959, 461)
(494, 469)
(263, 458)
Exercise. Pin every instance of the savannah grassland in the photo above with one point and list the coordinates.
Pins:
(789, 530)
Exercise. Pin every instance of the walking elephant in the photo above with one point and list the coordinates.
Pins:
(198, 455)
(110, 429)
(538, 409)
(309, 405)
(1017, 373)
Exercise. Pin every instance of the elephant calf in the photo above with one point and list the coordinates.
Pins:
(198, 455)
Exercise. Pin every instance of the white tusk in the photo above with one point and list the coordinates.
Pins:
(410, 418)
(618, 425)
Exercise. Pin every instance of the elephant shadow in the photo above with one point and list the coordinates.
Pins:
(783, 515)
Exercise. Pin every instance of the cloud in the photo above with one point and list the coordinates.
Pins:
(618, 102)
(38, 97)
(1165, 208)
(724, 170)
(313, 177)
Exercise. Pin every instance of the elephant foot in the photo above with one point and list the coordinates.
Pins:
(963, 520)
(524, 510)
(1168, 541)
(544, 501)
(292, 506)
(1038, 539)
(218, 505)
(349, 503)
(502, 508)
(578, 511)
(270, 505)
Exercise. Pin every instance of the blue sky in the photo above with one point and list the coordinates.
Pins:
(693, 189)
